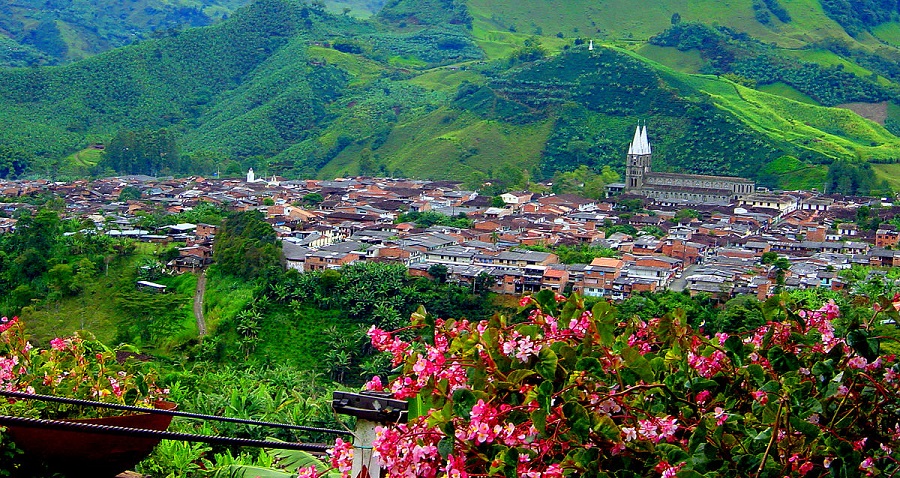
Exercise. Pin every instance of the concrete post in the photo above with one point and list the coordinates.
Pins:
(365, 465)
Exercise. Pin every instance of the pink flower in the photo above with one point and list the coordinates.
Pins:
(342, 457)
(760, 396)
(307, 472)
(375, 384)
(857, 363)
(805, 468)
(720, 415)
(667, 470)
(59, 344)
(525, 301)
(116, 388)
(6, 324)
(703, 396)
(868, 465)
(456, 467)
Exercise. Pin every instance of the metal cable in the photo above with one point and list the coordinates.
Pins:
(162, 435)
(173, 413)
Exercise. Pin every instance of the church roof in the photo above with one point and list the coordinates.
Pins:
(733, 179)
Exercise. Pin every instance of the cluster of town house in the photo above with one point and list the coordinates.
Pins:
(357, 221)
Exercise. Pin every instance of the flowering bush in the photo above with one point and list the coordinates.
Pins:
(564, 391)
(75, 367)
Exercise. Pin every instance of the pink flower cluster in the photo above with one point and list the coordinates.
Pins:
(386, 342)
(482, 423)
(709, 366)
(521, 347)
(6, 323)
(627, 410)
(308, 472)
(341, 457)
(658, 429)
(409, 450)
(60, 344)
(434, 365)
(484, 426)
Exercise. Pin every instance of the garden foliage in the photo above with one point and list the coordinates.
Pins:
(560, 390)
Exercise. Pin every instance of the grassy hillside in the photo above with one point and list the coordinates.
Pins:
(39, 32)
(831, 132)
(447, 89)
(75, 29)
(631, 20)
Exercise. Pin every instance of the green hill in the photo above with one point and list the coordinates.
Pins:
(74, 29)
(469, 91)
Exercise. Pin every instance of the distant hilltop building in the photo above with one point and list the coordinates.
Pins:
(689, 188)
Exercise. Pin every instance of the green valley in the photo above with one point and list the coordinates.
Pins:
(466, 90)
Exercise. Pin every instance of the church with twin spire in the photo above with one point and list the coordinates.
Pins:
(685, 188)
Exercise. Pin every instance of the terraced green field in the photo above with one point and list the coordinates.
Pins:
(787, 91)
(639, 20)
(889, 173)
(834, 132)
(792, 174)
(452, 145)
(684, 61)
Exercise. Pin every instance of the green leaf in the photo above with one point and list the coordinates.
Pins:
(247, 471)
(781, 360)
(463, 401)
(638, 364)
(578, 419)
(589, 364)
(735, 345)
(539, 418)
(517, 376)
(445, 446)
(809, 429)
(605, 319)
(698, 437)
(505, 462)
(824, 368)
(292, 460)
(703, 384)
(607, 428)
(757, 373)
(673, 454)
(547, 300)
(863, 344)
(547, 362)
(545, 395)
(688, 474)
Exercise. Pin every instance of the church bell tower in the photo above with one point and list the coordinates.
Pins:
(637, 164)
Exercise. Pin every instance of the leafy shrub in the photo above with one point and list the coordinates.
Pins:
(558, 390)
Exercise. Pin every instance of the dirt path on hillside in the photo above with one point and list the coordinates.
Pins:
(198, 304)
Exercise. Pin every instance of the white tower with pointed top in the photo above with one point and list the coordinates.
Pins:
(591, 46)
(638, 159)
(250, 176)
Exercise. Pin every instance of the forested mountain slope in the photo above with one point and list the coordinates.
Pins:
(474, 90)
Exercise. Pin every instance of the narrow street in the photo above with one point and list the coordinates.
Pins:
(198, 304)
(680, 283)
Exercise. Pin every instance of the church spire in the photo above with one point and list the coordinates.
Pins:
(645, 142)
(640, 145)
(635, 146)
